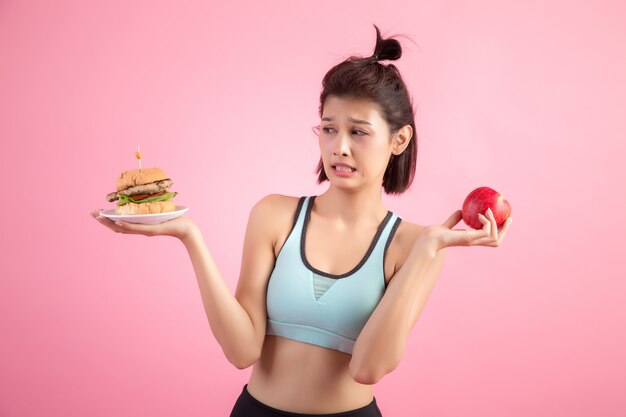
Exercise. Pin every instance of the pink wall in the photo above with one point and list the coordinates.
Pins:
(526, 97)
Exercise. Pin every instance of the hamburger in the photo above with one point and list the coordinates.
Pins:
(143, 191)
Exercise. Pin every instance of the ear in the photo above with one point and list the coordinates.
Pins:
(401, 139)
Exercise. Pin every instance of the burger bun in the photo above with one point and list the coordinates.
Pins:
(146, 208)
(136, 177)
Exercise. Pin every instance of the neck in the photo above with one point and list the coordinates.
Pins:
(351, 209)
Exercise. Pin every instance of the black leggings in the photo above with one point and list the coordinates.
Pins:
(248, 406)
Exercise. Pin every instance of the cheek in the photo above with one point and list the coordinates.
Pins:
(382, 158)
(377, 150)
(325, 149)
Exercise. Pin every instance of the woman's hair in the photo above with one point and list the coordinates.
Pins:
(367, 78)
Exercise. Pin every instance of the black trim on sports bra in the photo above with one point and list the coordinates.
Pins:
(389, 239)
(297, 214)
(293, 226)
(356, 268)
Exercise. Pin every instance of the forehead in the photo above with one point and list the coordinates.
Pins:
(343, 108)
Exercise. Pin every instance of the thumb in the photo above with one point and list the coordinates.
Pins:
(453, 219)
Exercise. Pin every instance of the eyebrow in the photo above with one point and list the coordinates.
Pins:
(363, 122)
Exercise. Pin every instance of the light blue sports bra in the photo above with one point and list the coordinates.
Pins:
(312, 306)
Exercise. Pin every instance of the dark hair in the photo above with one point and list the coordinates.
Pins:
(367, 78)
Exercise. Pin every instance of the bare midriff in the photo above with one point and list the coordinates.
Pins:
(304, 378)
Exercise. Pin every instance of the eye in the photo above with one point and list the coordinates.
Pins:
(327, 129)
(359, 132)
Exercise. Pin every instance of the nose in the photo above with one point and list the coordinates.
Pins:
(342, 144)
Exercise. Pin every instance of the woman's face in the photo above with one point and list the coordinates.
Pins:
(353, 132)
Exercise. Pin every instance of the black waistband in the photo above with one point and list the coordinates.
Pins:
(369, 410)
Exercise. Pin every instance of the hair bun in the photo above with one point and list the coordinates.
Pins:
(386, 49)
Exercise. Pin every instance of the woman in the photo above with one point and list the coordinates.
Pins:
(330, 285)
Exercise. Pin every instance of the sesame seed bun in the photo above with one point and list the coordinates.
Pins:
(139, 177)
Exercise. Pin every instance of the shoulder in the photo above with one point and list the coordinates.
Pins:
(275, 205)
(274, 212)
(403, 241)
(407, 233)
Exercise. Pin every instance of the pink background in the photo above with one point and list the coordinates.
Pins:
(526, 97)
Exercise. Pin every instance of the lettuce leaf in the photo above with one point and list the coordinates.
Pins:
(124, 199)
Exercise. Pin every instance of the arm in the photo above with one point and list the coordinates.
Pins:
(382, 342)
(237, 322)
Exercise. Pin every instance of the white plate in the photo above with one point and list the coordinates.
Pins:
(144, 218)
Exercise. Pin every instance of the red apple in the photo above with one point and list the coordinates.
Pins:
(479, 200)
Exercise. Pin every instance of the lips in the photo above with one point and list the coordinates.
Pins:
(352, 169)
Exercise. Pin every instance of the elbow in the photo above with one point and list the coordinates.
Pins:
(243, 363)
(244, 359)
(371, 371)
(366, 377)
(367, 374)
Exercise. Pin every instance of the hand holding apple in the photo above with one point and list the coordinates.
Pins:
(490, 227)
(481, 199)
(442, 236)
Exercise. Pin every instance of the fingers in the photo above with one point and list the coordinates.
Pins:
(96, 215)
(126, 227)
(505, 228)
(490, 240)
(489, 232)
(466, 237)
(486, 224)
(489, 235)
(142, 229)
(118, 227)
(454, 219)
(494, 224)
(107, 222)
